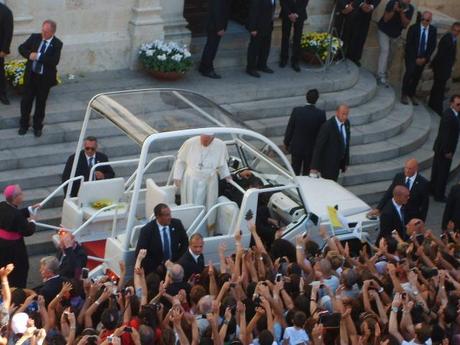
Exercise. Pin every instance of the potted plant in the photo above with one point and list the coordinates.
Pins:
(317, 45)
(14, 73)
(165, 60)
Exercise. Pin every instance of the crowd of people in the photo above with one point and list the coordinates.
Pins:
(404, 290)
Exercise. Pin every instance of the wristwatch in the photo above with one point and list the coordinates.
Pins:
(394, 309)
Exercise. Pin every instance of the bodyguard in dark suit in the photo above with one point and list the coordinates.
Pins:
(420, 45)
(87, 159)
(218, 13)
(393, 216)
(42, 51)
(442, 67)
(356, 17)
(260, 26)
(293, 14)
(452, 209)
(6, 35)
(301, 132)
(193, 260)
(444, 148)
(419, 187)
(332, 147)
(164, 238)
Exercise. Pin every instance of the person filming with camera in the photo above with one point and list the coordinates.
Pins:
(397, 16)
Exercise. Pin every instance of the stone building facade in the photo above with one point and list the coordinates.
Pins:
(105, 35)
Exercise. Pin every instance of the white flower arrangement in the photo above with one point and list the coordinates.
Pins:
(318, 43)
(165, 56)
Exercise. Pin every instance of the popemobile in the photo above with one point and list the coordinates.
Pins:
(107, 215)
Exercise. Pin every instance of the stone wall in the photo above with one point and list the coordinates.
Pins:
(97, 35)
(105, 35)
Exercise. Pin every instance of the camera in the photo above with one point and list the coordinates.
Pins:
(278, 277)
(84, 273)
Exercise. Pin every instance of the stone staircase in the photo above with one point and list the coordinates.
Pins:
(384, 132)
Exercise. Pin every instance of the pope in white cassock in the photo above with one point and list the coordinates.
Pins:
(199, 160)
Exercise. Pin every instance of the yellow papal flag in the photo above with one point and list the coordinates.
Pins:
(334, 218)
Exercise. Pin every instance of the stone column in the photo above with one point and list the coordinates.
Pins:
(146, 25)
(174, 21)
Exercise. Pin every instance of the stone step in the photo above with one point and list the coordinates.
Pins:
(396, 122)
(407, 141)
(68, 102)
(372, 192)
(384, 170)
(369, 102)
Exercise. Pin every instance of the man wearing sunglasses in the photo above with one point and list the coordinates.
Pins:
(87, 159)
(420, 45)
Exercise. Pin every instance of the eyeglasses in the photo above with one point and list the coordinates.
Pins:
(90, 149)
(426, 20)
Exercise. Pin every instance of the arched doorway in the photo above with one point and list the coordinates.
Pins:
(196, 11)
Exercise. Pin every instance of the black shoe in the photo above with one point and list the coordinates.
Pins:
(253, 73)
(414, 101)
(283, 63)
(440, 199)
(266, 70)
(404, 100)
(295, 67)
(22, 131)
(211, 74)
(4, 100)
(38, 133)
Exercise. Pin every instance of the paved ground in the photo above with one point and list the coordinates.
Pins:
(433, 222)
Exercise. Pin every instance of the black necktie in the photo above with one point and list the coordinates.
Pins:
(401, 211)
(200, 260)
(37, 65)
(422, 49)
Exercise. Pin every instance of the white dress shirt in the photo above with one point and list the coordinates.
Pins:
(344, 132)
(411, 180)
(398, 208)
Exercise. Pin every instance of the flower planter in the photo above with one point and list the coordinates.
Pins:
(311, 58)
(171, 76)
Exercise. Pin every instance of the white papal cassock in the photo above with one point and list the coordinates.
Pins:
(197, 167)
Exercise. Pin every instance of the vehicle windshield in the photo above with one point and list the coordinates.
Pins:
(140, 113)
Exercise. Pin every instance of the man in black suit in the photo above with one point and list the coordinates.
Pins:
(193, 260)
(42, 51)
(420, 45)
(164, 238)
(451, 216)
(355, 17)
(218, 13)
(332, 147)
(393, 216)
(6, 35)
(293, 14)
(87, 159)
(442, 67)
(260, 26)
(419, 187)
(444, 148)
(52, 281)
(301, 132)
